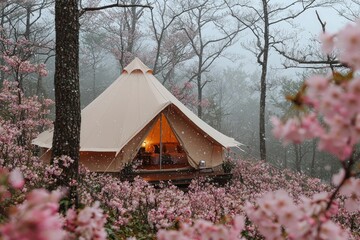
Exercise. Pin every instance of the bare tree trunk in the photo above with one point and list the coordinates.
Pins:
(285, 159)
(199, 82)
(264, 63)
(93, 68)
(298, 157)
(66, 139)
(206, 49)
(39, 87)
(27, 27)
(199, 96)
(132, 28)
(94, 81)
(2, 62)
(312, 169)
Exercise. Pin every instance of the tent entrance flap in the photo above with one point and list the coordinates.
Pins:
(199, 146)
(161, 149)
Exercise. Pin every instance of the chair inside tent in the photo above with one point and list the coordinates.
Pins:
(161, 149)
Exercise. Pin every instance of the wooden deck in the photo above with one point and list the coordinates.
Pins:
(180, 177)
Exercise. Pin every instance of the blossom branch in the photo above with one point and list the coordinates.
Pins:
(346, 177)
(332, 197)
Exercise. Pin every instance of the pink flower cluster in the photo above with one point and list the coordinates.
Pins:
(206, 230)
(20, 122)
(346, 42)
(297, 212)
(296, 130)
(36, 218)
(350, 191)
(14, 180)
(172, 205)
(14, 63)
(184, 93)
(53, 171)
(276, 215)
(88, 224)
(339, 107)
(18, 64)
(336, 101)
(17, 56)
(219, 201)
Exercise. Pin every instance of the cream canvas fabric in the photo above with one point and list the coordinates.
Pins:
(121, 117)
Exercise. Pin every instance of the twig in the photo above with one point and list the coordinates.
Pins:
(323, 27)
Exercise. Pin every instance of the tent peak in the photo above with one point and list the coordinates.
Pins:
(136, 65)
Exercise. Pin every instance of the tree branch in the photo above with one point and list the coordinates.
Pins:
(332, 62)
(89, 9)
(323, 27)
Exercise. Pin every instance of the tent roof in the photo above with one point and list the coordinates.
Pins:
(124, 109)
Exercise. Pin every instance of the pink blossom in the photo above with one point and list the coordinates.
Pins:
(16, 179)
(188, 85)
(330, 230)
(327, 41)
(348, 43)
(36, 218)
(338, 105)
(315, 88)
(205, 230)
(351, 190)
(297, 130)
(88, 224)
(41, 69)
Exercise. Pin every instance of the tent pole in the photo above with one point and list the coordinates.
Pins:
(161, 145)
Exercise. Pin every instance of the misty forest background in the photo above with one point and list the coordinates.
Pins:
(223, 59)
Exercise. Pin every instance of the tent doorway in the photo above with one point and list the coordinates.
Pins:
(161, 149)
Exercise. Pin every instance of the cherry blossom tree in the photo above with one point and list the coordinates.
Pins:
(26, 34)
(335, 99)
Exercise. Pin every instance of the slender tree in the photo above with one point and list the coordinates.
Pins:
(171, 44)
(208, 14)
(92, 55)
(260, 21)
(122, 27)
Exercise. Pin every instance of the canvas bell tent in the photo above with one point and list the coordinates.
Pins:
(137, 118)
